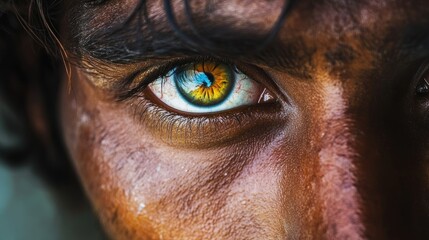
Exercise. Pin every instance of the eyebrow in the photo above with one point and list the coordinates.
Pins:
(146, 37)
(293, 57)
(154, 38)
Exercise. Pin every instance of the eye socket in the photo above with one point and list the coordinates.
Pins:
(422, 87)
(208, 87)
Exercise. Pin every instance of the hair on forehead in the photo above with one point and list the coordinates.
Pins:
(44, 15)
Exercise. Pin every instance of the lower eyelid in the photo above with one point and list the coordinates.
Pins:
(209, 131)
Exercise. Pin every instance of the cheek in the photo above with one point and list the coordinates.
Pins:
(105, 155)
(142, 188)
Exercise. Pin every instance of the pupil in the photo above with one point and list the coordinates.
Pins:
(205, 87)
(209, 79)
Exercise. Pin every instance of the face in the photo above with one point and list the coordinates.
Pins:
(322, 133)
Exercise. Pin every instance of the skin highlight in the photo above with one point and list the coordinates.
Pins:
(341, 154)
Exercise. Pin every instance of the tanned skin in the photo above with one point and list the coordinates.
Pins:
(341, 154)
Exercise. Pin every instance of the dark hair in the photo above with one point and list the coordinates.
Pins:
(38, 72)
(29, 74)
(217, 39)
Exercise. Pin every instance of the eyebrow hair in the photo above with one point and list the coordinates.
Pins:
(292, 57)
(218, 38)
(142, 37)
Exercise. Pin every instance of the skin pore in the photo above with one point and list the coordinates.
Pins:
(339, 154)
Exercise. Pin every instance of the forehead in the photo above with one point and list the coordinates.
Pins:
(338, 15)
(336, 29)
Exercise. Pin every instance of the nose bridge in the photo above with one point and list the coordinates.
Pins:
(368, 165)
(356, 171)
(338, 159)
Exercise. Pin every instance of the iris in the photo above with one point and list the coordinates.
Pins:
(204, 87)
(205, 84)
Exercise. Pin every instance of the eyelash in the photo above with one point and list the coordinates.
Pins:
(124, 92)
(207, 131)
(178, 128)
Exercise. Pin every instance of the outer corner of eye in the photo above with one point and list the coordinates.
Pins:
(208, 87)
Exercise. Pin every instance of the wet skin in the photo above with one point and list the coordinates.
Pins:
(341, 153)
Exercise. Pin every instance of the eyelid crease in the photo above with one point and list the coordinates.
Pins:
(113, 77)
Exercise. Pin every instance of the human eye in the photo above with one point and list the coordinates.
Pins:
(201, 102)
(207, 87)
(420, 87)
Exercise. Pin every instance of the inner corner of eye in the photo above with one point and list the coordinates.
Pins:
(266, 96)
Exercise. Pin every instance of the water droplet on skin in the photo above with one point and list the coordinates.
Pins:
(84, 118)
(141, 207)
(225, 174)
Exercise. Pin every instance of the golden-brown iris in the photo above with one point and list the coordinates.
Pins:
(206, 83)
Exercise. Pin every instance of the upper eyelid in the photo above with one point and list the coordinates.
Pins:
(123, 86)
(130, 83)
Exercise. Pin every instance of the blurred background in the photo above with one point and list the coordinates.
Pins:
(30, 209)
(40, 196)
